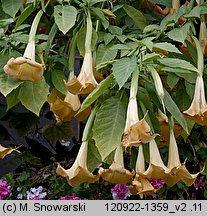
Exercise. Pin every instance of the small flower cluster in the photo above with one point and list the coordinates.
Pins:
(156, 183)
(4, 189)
(120, 192)
(67, 197)
(33, 194)
(200, 183)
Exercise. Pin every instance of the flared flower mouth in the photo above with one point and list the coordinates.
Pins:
(138, 134)
(85, 83)
(116, 173)
(198, 110)
(5, 151)
(66, 109)
(22, 68)
(79, 172)
(175, 170)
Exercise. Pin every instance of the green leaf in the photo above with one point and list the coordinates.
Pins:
(58, 77)
(178, 63)
(12, 98)
(115, 30)
(182, 99)
(34, 95)
(109, 126)
(172, 80)
(123, 68)
(137, 16)
(51, 36)
(81, 40)
(101, 16)
(179, 34)
(105, 54)
(65, 17)
(56, 132)
(8, 84)
(92, 2)
(108, 37)
(94, 158)
(11, 7)
(195, 12)
(167, 47)
(95, 94)
(24, 15)
(163, 2)
(174, 110)
(189, 76)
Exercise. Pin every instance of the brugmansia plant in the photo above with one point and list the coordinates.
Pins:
(132, 72)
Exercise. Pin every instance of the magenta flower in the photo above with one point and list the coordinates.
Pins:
(67, 197)
(120, 192)
(156, 183)
(4, 189)
(198, 184)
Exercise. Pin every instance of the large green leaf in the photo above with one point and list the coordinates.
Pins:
(167, 46)
(109, 126)
(34, 95)
(58, 77)
(24, 15)
(174, 110)
(123, 68)
(56, 132)
(65, 17)
(137, 16)
(11, 7)
(163, 2)
(93, 158)
(94, 95)
(179, 34)
(178, 63)
(12, 98)
(101, 16)
(8, 84)
(105, 54)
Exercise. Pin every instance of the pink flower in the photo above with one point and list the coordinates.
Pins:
(36, 198)
(4, 189)
(156, 183)
(198, 184)
(67, 197)
(120, 192)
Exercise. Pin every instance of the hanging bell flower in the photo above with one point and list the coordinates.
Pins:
(198, 109)
(26, 68)
(79, 172)
(85, 82)
(136, 131)
(116, 173)
(175, 170)
(141, 185)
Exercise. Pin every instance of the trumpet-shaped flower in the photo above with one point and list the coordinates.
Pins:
(198, 109)
(164, 129)
(65, 109)
(116, 173)
(156, 169)
(79, 172)
(141, 185)
(136, 131)
(175, 170)
(203, 37)
(85, 82)
(26, 68)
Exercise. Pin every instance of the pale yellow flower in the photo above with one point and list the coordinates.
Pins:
(198, 110)
(79, 172)
(116, 173)
(5, 151)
